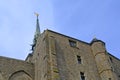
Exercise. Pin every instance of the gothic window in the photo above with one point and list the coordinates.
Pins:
(72, 43)
(82, 76)
(79, 59)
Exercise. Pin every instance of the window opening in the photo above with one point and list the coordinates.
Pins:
(111, 59)
(72, 43)
(82, 76)
(79, 59)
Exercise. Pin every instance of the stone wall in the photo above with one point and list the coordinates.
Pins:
(40, 58)
(56, 58)
(68, 66)
(115, 63)
(12, 69)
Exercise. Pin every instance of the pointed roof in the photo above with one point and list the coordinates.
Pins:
(37, 32)
(96, 40)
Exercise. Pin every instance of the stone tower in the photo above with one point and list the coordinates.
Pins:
(104, 66)
(60, 57)
(56, 56)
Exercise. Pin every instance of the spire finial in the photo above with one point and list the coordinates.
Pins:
(94, 38)
(36, 14)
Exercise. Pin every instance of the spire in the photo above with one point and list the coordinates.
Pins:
(37, 32)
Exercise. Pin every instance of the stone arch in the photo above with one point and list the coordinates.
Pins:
(20, 75)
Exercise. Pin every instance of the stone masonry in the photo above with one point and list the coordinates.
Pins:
(59, 57)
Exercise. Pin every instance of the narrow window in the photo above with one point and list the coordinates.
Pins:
(82, 76)
(72, 43)
(111, 59)
(79, 59)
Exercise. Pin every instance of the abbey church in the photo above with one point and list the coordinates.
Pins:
(56, 56)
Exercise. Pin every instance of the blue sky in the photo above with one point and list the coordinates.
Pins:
(81, 19)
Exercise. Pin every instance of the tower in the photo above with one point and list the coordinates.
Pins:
(104, 66)
(44, 58)
(59, 57)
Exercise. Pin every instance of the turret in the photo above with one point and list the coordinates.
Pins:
(102, 61)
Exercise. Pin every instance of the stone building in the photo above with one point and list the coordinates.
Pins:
(59, 57)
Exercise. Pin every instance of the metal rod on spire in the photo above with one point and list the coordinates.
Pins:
(36, 14)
